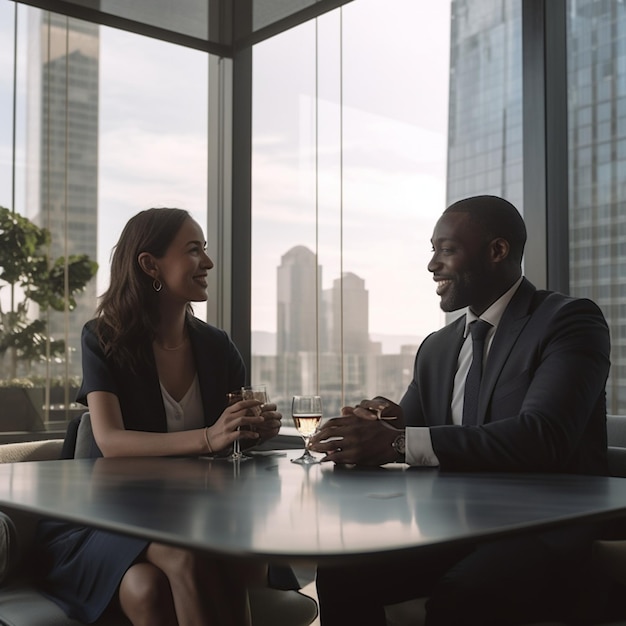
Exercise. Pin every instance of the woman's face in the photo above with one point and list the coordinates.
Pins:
(183, 270)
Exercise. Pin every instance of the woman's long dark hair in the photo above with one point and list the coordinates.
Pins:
(128, 312)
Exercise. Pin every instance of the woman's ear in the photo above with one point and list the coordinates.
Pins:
(148, 264)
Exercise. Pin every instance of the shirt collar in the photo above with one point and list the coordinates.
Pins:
(494, 313)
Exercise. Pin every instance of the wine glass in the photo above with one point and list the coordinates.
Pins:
(248, 392)
(307, 415)
(236, 455)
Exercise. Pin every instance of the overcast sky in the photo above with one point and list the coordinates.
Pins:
(378, 204)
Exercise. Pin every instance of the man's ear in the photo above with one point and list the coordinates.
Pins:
(499, 249)
(148, 264)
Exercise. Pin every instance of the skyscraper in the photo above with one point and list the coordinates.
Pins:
(485, 140)
(349, 300)
(62, 151)
(597, 170)
(299, 283)
(485, 105)
(318, 348)
(299, 296)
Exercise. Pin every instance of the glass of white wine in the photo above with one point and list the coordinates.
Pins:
(249, 392)
(307, 415)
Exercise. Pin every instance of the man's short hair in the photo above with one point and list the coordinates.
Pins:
(496, 217)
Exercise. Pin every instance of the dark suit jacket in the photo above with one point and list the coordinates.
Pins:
(542, 403)
(218, 362)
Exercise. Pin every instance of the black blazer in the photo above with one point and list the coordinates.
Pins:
(542, 404)
(219, 365)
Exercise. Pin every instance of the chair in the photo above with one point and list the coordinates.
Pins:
(22, 605)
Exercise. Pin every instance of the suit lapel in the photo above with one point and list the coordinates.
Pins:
(515, 317)
(205, 358)
(154, 418)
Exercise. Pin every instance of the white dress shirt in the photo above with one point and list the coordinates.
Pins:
(419, 447)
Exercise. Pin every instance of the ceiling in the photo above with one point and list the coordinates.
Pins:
(221, 27)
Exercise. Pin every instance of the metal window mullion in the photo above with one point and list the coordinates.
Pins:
(544, 54)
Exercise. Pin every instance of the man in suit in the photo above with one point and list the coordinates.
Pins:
(528, 396)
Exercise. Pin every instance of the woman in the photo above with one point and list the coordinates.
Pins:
(156, 380)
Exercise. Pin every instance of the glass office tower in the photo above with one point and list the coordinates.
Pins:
(597, 169)
(485, 140)
(62, 154)
(485, 114)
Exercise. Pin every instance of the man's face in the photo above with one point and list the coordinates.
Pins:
(460, 264)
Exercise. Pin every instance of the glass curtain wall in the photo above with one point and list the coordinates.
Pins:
(96, 124)
(349, 177)
(597, 166)
(485, 146)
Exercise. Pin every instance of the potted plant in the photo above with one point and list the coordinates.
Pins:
(30, 276)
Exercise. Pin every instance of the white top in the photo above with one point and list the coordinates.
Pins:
(419, 447)
(186, 414)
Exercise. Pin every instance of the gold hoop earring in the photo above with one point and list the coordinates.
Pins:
(157, 285)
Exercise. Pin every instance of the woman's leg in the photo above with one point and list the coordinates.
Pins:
(189, 580)
(173, 586)
(145, 596)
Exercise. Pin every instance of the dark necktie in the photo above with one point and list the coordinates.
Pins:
(478, 329)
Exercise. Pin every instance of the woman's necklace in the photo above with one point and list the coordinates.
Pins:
(173, 348)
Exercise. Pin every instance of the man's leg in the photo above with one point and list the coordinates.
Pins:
(357, 594)
(517, 580)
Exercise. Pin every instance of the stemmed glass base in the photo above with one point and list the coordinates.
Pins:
(306, 459)
(237, 456)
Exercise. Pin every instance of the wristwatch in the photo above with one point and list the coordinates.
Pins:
(399, 445)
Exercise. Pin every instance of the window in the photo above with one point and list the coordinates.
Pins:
(349, 164)
(596, 191)
(107, 123)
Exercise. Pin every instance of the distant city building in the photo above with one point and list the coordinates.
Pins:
(299, 285)
(323, 341)
(299, 281)
(62, 151)
(348, 322)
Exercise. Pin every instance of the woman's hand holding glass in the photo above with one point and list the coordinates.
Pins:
(271, 423)
(227, 429)
(246, 422)
(257, 393)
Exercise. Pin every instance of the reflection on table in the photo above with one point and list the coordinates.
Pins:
(272, 508)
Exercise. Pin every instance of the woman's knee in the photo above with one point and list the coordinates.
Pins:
(171, 560)
(145, 595)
